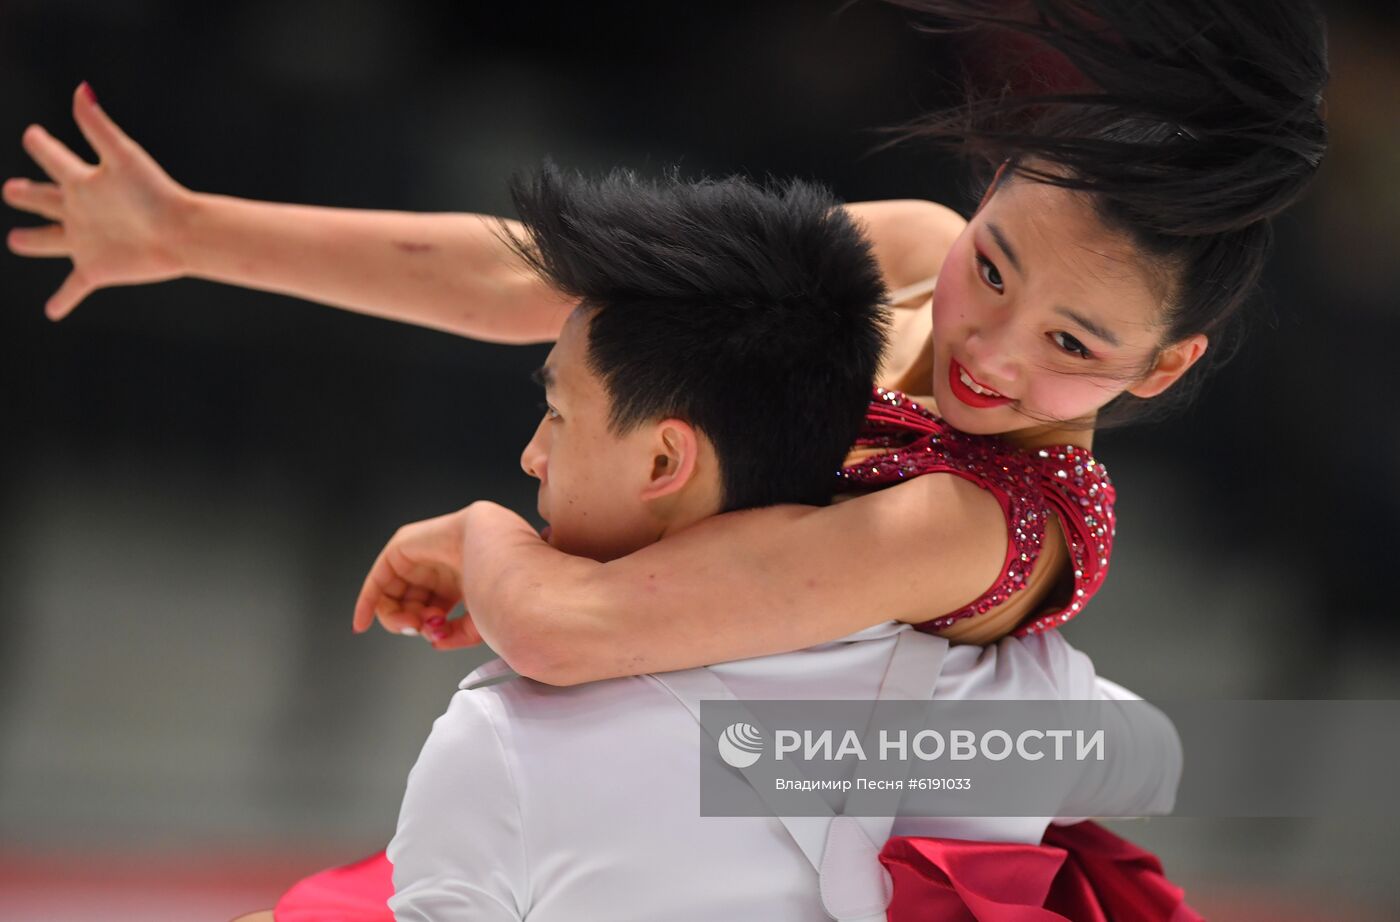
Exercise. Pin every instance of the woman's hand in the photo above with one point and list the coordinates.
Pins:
(416, 581)
(417, 578)
(118, 221)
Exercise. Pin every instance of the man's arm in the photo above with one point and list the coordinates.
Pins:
(459, 853)
(1143, 767)
(1146, 769)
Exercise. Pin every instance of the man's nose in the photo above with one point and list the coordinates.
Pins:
(534, 458)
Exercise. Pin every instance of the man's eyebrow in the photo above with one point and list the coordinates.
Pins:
(1005, 245)
(1096, 329)
(543, 376)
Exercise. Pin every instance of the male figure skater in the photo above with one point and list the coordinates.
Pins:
(721, 357)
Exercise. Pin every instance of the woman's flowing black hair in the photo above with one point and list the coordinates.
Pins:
(1192, 123)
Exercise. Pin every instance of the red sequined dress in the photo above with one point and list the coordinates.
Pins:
(1081, 873)
(1029, 486)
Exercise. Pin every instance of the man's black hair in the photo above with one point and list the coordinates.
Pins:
(757, 314)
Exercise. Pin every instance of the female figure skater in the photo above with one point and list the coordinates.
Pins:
(1124, 228)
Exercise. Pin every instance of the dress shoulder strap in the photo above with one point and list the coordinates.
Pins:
(1077, 487)
(1029, 485)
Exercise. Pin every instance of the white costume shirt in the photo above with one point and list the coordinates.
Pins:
(531, 801)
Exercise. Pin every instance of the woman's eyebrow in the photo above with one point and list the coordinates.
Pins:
(1096, 329)
(1006, 248)
(543, 376)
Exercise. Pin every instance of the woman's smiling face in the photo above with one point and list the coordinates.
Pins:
(1042, 315)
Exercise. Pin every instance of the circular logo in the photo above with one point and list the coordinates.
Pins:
(740, 745)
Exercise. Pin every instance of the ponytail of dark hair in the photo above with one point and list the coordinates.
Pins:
(1192, 123)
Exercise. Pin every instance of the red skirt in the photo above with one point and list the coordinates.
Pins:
(1081, 873)
(356, 892)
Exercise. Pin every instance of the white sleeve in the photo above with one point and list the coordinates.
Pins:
(1144, 758)
(459, 852)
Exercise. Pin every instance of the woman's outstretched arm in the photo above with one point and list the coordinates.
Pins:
(449, 272)
(124, 221)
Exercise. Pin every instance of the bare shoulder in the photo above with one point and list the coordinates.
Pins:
(910, 236)
(942, 508)
(948, 533)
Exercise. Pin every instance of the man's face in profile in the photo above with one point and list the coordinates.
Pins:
(591, 478)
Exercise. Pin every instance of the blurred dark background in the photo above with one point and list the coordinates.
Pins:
(195, 478)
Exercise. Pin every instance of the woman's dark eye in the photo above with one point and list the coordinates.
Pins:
(549, 411)
(990, 273)
(1070, 344)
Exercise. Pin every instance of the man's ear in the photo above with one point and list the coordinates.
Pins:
(1173, 362)
(675, 451)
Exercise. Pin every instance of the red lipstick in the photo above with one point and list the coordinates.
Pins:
(966, 394)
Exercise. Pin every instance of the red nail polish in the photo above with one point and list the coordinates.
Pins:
(88, 94)
(437, 620)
